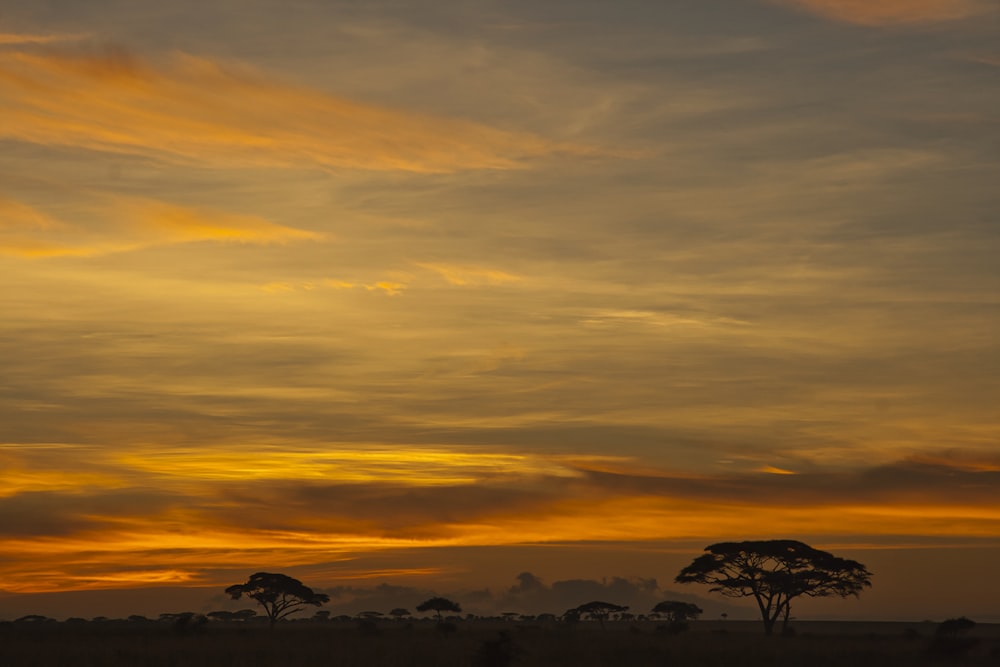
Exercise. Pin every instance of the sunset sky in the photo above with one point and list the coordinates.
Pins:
(424, 295)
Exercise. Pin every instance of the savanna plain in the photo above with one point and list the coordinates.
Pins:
(489, 643)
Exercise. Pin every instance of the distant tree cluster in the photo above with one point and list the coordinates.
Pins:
(677, 614)
(772, 572)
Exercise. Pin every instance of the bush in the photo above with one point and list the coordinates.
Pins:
(951, 639)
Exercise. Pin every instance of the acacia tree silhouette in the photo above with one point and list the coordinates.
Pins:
(599, 611)
(773, 573)
(678, 613)
(279, 594)
(438, 605)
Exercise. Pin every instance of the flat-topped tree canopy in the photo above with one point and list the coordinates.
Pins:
(279, 594)
(438, 605)
(774, 572)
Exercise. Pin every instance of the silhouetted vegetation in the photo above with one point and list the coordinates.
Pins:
(599, 611)
(279, 594)
(677, 614)
(952, 640)
(233, 616)
(439, 605)
(773, 573)
(184, 623)
(490, 642)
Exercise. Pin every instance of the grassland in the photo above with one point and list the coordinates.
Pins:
(477, 643)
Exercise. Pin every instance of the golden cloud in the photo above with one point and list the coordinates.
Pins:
(193, 110)
(15, 215)
(470, 275)
(387, 287)
(136, 223)
(893, 12)
(17, 39)
(182, 510)
(167, 223)
(26, 231)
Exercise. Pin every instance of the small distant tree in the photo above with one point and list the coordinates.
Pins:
(677, 614)
(571, 616)
(279, 594)
(773, 573)
(34, 618)
(367, 622)
(599, 611)
(438, 605)
(955, 627)
(221, 616)
(398, 613)
(232, 616)
(951, 639)
(186, 622)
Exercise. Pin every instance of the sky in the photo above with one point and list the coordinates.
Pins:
(522, 302)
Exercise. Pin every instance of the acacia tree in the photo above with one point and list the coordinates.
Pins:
(279, 594)
(773, 573)
(599, 611)
(438, 605)
(677, 613)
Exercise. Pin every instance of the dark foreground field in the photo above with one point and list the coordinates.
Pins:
(478, 644)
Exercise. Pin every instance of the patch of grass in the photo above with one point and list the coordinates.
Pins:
(471, 644)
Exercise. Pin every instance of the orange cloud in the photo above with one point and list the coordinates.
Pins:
(136, 223)
(15, 215)
(193, 110)
(893, 12)
(167, 223)
(774, 470)
(8, 39)
(191, 511)
(470, 275)
(26, 231)
(388, 287)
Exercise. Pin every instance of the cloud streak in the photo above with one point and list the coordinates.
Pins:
(302, 505)
(126, 224)
(196, 111)
(20, 39)
(893, 12)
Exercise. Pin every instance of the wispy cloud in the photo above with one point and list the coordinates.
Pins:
(387, 287)
(168, 223)
(462, 275)
(18, 216)
(992, 59)
(20, 39)
(194, 110)
(893, 12)
(308, 503)
(131, 224)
